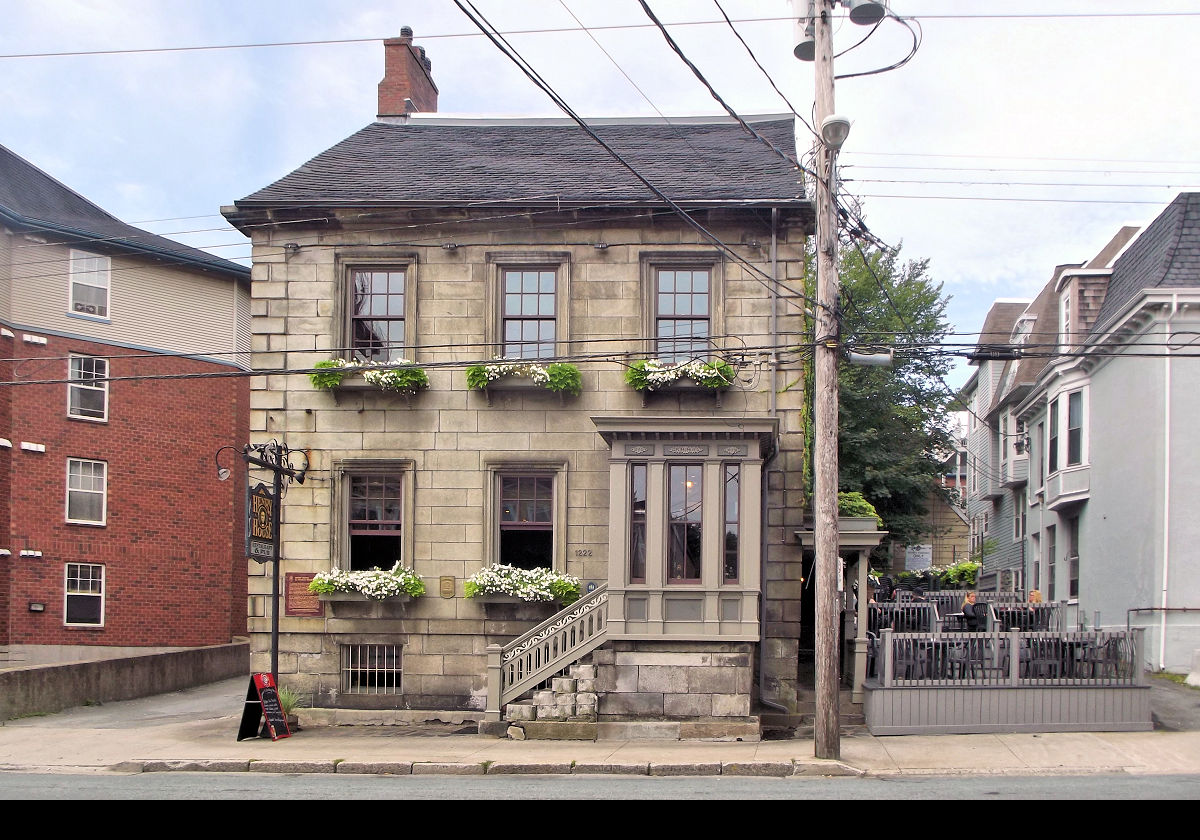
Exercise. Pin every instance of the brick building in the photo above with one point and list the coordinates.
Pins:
(118, 348)
(453, 241)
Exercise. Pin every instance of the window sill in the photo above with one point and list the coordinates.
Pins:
(87, 419)
(358, 597)
(83, 316)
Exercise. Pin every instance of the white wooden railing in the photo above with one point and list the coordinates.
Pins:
(563, 638)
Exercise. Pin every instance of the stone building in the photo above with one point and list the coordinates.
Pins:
(454, 241)
(119, 352)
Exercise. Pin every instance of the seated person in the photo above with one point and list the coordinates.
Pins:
(1035, 597)
(972, 620)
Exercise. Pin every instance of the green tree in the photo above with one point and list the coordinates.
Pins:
(892, 420)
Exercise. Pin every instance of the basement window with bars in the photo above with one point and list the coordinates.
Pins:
(371, 669)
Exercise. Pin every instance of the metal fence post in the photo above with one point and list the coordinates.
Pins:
(1139, 654)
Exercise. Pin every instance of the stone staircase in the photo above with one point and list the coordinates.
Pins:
(566, 710)
(800, 724)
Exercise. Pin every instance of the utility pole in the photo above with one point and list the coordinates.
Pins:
(827, 726)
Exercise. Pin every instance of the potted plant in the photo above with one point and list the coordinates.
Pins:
(855, 513)
(373, 584)
(557, 377)
(529, 585)
(289, 702)
(652, 375)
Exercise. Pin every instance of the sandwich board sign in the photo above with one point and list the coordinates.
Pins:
(262, 700)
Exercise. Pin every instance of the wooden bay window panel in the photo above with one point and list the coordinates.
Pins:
(685, 546)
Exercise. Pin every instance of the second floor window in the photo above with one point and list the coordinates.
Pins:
(529, 313)
(87, 391)
(89, 283)
(682, 314)
(87, 491)
(377, 314)
(1052, 446)
(1074, 428)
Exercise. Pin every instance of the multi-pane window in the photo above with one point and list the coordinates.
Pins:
(84, 594)
(685, 496)
(1052, 447)
(529, 312)
(637, 523)
(86, 491)
(371, 669)
(377, 314)
(1051, 551)
(90, 274)
(527, 520)
(1041, 468)
(1020, 510)
(1073, 557)
(1074, 428)
(87, 390)
(376, 521)
(732, 516)
(682, 314)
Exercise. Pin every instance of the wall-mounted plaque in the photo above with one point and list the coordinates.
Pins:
(639, 449)
(731, 450)
(297, 600)
(446, 586)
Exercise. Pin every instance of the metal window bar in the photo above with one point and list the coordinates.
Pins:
(371, 669)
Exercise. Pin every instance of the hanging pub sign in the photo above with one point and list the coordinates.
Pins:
(260, 523)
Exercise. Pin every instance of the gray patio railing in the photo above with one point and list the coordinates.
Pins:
(1013, 658)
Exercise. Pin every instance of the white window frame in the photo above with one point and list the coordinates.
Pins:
(95, 275)
(68, 592)
(103, 493)
(78, 382)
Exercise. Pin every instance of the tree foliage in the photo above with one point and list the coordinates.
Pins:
(891, 429)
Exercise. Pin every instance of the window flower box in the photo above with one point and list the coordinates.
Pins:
(358, 597)
(650, 376)
(516, 375)
(399, 376)
(373, 585)
(524, 585)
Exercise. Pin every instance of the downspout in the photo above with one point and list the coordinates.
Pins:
(764, 489)
(1166, 523)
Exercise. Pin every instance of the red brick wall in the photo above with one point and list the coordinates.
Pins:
(172, 542)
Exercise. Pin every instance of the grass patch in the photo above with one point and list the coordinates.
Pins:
(1178, 679)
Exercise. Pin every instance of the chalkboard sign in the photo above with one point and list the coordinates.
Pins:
(262, 700)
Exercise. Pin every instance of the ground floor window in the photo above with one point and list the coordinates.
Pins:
(371, 669)
(685, 504)
(84, 595)
(526, 518)
(376, 520)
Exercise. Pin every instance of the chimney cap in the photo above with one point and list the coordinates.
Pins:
(406, 32)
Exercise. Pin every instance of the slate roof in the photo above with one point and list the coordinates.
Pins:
(32, 200)
(439, 161)
(1166, 255)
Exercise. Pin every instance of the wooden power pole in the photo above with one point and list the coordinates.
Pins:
(827, 734)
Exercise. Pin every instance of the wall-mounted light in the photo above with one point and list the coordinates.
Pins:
(290, 249)
(600, 246)
(37, 606)
(449, 246)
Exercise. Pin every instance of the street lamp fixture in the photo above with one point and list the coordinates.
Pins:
(862, 12)
(834, 130)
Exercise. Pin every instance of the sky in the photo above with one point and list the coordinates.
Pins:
(1021, 135)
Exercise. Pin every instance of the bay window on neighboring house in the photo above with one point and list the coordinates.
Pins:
(373, 510)
(87, 388)
(1041, 461)
(90, 284)
(1051, 559)
(83, 604)
(1074, 428)
(1073, 557)
(1052, 446)
(1019, 513)
(1035, 551)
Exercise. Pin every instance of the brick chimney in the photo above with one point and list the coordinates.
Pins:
(407, 85)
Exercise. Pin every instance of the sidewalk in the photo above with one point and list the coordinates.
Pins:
(196, 730)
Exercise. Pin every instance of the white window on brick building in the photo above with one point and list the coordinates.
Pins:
(87, 389)
(84, 595)
(87, 491)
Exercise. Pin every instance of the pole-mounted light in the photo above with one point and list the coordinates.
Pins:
(862, 12)
(834, 130)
